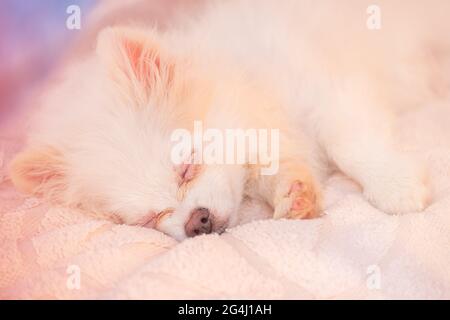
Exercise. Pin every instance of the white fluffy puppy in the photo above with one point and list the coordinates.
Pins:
(311, 69)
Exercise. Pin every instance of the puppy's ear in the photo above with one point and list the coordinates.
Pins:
(135, 61)
(38, 171)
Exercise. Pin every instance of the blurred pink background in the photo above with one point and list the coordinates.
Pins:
(33, 37)
(34, 41)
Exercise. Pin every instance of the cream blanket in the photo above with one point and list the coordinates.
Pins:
(354, 251)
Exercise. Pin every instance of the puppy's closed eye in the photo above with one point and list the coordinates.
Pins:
(152, 219)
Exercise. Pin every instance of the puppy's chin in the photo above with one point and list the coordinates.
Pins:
(173, 224)
(174, 230)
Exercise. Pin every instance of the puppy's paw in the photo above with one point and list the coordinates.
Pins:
(301, 201)
(400, 188)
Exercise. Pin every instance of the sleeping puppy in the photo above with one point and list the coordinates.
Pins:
(104, 141)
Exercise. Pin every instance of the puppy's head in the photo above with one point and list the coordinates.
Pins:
(103, 142)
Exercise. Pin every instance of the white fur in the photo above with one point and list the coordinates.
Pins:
(310, 68)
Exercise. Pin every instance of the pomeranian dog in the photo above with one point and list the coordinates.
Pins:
(313, 70)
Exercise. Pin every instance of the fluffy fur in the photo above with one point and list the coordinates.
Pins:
(309, 68)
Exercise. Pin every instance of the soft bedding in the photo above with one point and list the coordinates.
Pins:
(353, 251)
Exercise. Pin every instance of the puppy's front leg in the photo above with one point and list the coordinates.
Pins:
(293, 192)
(296, 195)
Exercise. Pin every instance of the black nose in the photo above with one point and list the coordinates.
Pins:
(198, 223)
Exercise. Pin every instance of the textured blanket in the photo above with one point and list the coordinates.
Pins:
(353, 251)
